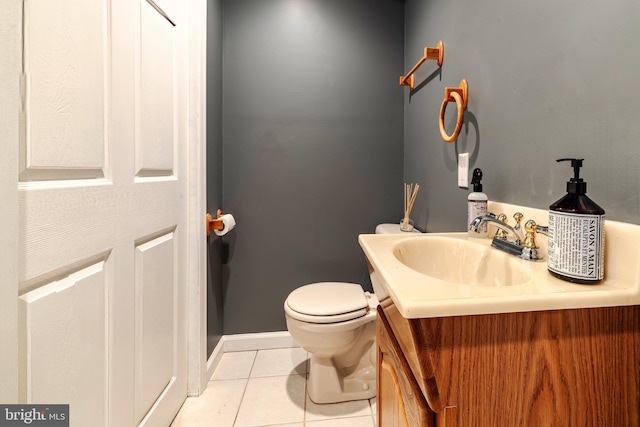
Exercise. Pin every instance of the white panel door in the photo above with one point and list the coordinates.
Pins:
(10, 69)
(102, 198)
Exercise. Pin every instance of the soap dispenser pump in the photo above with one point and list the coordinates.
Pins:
(576, 233)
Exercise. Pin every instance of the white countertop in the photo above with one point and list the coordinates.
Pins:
(417, 295)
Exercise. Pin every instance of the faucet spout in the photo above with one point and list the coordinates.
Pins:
(514, 242)
(475, 225)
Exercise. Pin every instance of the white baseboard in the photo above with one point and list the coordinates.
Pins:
(248, 342)
(260, 341)
(214, 359)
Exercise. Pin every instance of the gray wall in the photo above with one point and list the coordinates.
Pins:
(214, 169)
(547, 79)
(313, 145)
(313, 133)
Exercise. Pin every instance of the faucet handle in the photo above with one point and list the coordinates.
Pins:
(518, 217)
(542, 229)
(500, 233)
(530, 236)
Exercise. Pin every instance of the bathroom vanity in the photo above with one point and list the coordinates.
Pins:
(548, 368)
(511, 345)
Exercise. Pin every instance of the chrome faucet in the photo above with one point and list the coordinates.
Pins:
(491, 218)
(525, 247)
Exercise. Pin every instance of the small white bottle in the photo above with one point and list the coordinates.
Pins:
(477, 205)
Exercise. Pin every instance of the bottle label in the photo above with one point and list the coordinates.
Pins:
(576, 245)
(476, 208)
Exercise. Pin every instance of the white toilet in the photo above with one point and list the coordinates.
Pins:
(335, 322)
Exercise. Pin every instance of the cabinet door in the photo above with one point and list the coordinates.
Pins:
(400, 400)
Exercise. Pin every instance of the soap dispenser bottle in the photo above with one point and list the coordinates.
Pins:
(576, 233)
(477, 204)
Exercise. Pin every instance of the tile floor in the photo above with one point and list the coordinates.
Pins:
(267, 388)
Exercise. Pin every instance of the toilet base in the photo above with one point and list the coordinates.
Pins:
(325, 385)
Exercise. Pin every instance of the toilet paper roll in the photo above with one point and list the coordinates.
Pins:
(229, 223)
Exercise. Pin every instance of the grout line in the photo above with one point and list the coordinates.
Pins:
(244, 392)
(253, 364)
(306, 380)
(235, 418)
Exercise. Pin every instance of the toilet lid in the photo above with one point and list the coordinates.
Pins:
(336, 301)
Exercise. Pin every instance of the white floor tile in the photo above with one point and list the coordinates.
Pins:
(234, 365)
(355, 408)
(286, 425)
(217, 406)
(268, 388)
(343, 422)
(276, 362)
(272, 400)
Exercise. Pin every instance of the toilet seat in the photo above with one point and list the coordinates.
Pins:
(327, 302)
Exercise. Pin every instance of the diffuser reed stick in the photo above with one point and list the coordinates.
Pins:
(410, 194)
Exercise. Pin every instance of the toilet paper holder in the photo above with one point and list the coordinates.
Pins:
(214, 224)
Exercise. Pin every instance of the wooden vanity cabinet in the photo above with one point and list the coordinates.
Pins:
(398, 393)
(576, 367)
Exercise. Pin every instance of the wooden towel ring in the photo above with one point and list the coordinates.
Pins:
(459, 95)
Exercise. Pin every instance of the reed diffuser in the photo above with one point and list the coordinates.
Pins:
(410, 193)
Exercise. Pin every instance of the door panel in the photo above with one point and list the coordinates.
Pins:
(65, 63)
(155, 341)
(103, 211)
(155, 142)
(64, 344)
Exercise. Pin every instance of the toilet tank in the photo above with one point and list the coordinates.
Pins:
(392, 229)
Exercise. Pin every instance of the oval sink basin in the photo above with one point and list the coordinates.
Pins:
(461, 262)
